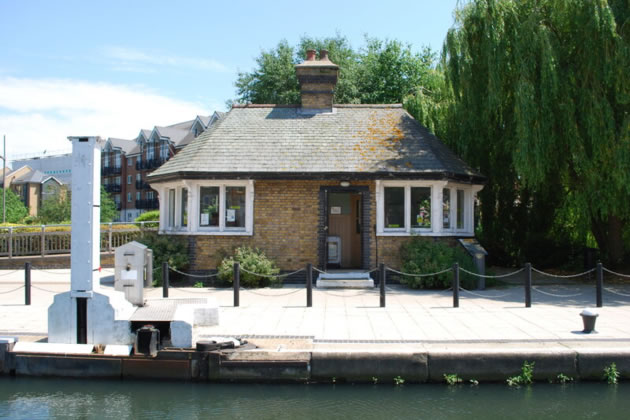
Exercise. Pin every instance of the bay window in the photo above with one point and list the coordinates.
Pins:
(208, 207)
(428, 208)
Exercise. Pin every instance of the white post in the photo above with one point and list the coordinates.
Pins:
(86, 211)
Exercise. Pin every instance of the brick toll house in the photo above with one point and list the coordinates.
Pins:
(339, 186)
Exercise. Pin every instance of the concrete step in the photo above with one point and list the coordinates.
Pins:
(348, 280)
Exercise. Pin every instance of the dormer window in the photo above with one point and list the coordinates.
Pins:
(164, 150)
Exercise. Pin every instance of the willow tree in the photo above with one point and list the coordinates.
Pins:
(541, 94)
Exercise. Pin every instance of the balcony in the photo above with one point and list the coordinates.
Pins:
(113, 188)
(148, 204)
(111, 170)
(150, 164)
(141, 185)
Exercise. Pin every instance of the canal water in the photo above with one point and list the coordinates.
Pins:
(25, 398)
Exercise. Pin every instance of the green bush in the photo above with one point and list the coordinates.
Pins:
(424, 256)
(250, 259)
(166, 248)
(149, 216)
(15, 209)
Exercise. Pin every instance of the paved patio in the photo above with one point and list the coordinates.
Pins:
(354, 316)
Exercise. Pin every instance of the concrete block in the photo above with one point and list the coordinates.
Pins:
(484, 365)
(52, 348)
(362, 366)
(117, 350)
(188, 316)
(68, 366)
(591, 362)
(6, 345)
(108, 318)
(156, 369)
(257, 366)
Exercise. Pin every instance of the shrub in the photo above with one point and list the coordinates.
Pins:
(166, 248)
(149, 216)
(15, 209)
(424, 256)
(250, 259)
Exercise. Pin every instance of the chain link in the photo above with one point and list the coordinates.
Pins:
(11, 291)
(272, 295)
(614, 292)
(484, 296)
(615, 273)
(418, 275)
(197, 276)
(563, 277)
(272, 276)
(491, 277)
(555, 295)
(44, 290)
(51, 272)
(10, 272)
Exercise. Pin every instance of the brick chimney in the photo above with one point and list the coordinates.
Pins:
(317, 81)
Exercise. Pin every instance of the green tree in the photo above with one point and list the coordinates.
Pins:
(15, 210)
(541, 94)
(382, 72)
(108, 207)
(58, 209)
(55, 210)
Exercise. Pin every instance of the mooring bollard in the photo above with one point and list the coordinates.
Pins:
(600, 285)
(456, 285)
(381, 283)
(237, 281)
(165, 279)
(27, 283)
(309, 285)
(528, 285)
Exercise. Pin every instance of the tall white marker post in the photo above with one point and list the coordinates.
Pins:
(88, 314)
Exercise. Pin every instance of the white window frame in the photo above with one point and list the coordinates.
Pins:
(194, 191)
(128, 179)
(437, 188)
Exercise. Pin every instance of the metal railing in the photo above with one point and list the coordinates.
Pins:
(111, 170)
(382, 270)
(148, 204)
(45, 240)
(141, 185)
(113, 188)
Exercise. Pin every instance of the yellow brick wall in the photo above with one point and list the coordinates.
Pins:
(285, 225)
(286, 228)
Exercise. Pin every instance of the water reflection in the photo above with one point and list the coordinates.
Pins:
(22, 398)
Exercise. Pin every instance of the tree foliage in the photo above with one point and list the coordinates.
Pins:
(15, 210)
(541, 104)
(58, 209)
(383, 71)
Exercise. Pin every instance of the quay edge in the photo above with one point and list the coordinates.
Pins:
(338, 365)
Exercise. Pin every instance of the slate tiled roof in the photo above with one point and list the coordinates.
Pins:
(125, 145)
(359, 140)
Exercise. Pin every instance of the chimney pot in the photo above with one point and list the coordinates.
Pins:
(310, 55)
(323, 55)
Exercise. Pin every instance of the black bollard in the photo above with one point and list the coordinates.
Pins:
(600, 285)
(237, 283)
(27, 283)
(528, 285)
(165, 279)
(381, 282)
(456, 285)
(309, 285)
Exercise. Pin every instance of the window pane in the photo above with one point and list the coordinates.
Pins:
(460, 209)
(171, 208)
(235, 207)
(184, 219)
(209, 206)
(446, 208)
(421, 207)
(395, 207)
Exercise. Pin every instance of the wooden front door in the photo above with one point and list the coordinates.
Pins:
(344, 222)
